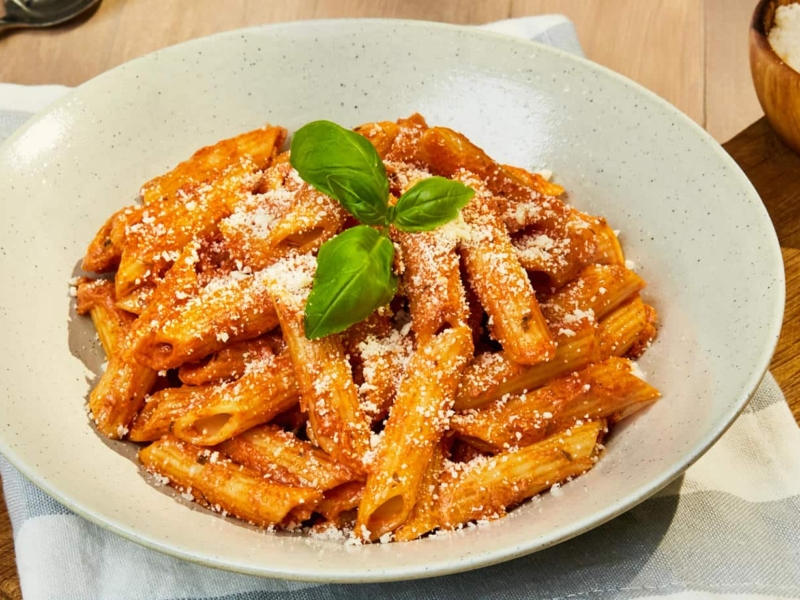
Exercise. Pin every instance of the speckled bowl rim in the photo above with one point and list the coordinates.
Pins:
(467, 562)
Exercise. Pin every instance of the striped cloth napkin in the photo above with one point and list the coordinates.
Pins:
(729, 526)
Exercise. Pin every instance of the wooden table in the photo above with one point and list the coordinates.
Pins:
(691, 52)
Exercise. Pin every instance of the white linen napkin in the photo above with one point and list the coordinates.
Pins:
(729, 526)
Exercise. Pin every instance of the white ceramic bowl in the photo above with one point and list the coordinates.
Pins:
(689, 218)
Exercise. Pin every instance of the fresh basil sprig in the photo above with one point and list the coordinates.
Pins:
(354, 269)
(343, 165)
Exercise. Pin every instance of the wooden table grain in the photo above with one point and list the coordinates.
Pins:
(691, 52)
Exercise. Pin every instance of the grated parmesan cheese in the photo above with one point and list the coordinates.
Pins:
(636, 370)
(784, 37)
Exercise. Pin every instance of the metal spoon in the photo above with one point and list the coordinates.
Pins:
(42, 13)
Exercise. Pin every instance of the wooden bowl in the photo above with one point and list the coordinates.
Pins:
(777, 84)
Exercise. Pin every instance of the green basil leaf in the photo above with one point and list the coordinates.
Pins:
(354, 277)
(344, 165)
(430, 203)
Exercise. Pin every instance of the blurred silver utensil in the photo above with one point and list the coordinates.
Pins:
(42, 13)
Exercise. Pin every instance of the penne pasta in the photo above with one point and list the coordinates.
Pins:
(380, 359)
(607, 251)
(224, 486)
(446, 152)
(500, 282)
(160, 411)
(174, 216)
(339, 504)
(492, 376)
(289, 216)
(231, 308)
(646, 335)
(154, 243)
(280, 456)
(137, 301)
(221, 411)
(534, 180)
(405, 146)
(120, 393)
(432, 280)
(599, 391)
(559, 253)
(424, 517)
(627, 330)
(416, 423)
(432, 276)
(486, 488)
(336, 422)
(105, 249)
(598, 290)
(380, 134)
(393, 427)
(231, 362)
(96, 298)
(228, 160)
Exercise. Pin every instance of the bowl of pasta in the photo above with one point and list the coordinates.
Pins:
(410, 308)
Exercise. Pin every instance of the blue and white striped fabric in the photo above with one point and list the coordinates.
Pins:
(729, 526)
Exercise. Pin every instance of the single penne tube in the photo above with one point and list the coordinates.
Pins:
(120, 393)
(122, 389)
(96, 297)
(597, 392)
(278, 222)
(492, 376)
(608, 250)
(339, 504)
(416, 423)
(105, 249)
(598, 290)
(486, 488)
(424, 516)
(336, 422)
(231, 362)
(281, 456)
(230, 308)
(222, 411)
(228, 160)
(500, 282)
(160, 411)
(614, 390)
(225, 486)
(628, 329)
(447, 152)
(432, 280)
(431, 267)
